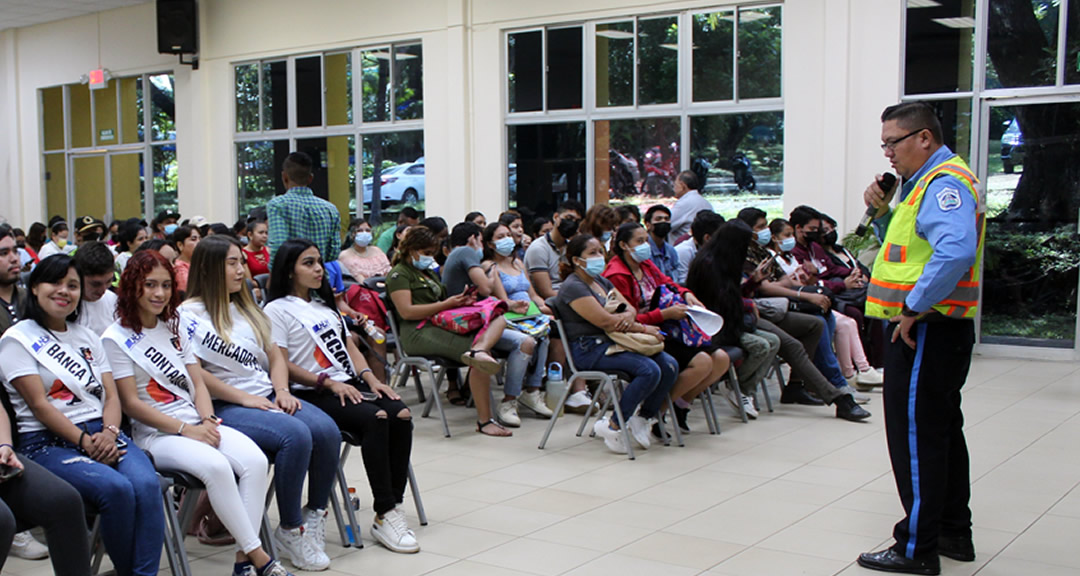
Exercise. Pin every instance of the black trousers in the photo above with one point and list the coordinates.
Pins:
(924, 426)
(40, 498)
(385, 443)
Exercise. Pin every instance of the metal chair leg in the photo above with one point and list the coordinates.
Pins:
(353, 528)
(674, 425)
(733, 385)
(622, 422)
(97, 547)
(437, 376)
(174, 537)
(417, 500)
(266, 534)
(558, 409)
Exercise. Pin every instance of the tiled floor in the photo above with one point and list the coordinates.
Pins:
(795, 492)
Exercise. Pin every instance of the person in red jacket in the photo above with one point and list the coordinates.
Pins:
(634, 275)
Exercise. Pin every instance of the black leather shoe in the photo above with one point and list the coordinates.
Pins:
(959, 548)
(795, 393)
(847, 409)
(889, 560)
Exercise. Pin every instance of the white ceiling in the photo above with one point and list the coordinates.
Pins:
(18, 13)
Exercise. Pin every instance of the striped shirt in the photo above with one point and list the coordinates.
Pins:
(300, 214)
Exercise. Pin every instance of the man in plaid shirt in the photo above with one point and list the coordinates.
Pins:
(300, 214)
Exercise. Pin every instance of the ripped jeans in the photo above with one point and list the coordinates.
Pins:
(127, 496)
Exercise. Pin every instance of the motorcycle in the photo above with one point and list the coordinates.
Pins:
(742, 172)
(660, 172)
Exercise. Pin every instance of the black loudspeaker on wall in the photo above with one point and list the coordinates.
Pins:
(177, 26)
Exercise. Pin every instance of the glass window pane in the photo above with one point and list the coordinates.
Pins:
(546, 165)
(955, 117)
(56, 184)
(1072, 45)
(409, 89)
(128, 192)
(714, 56)
(940, 46)
(335, 173)
(759, 53)
(258, 169)
(525, 75)
(309, 91)
(105, 114)
(394, 176)
(89, 178)
(80, 116)
(615, 64)
(52, 118)
(642, 159)
(565, 59)
(165, 178)
(739, 158)
(337, 72)
(131, 110)
(1021, 43)
(658, 60)
(275, 96)
(162, 107)
(247, 98)
(375, 67)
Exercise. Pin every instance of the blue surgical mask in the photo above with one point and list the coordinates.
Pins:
(764, 237)
(170, 228)
(362, 239)
(594, 266)
(788, 244)
(642, 252)
(504, 246)
(424, 262)
(606, 236)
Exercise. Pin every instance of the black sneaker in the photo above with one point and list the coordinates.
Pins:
(680, 418)
(795, 393)
(847, 409)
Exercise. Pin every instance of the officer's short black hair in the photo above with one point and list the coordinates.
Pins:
(915, 116)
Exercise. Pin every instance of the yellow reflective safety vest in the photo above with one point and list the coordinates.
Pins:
(904, 254)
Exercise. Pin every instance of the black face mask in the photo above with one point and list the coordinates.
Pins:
(20, 245)
(567, 228)
(661, 229)
(830, 238)
(814, 236)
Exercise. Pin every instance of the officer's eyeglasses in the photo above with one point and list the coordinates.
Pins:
(891, 145)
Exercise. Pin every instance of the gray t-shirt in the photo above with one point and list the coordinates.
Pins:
(543, 255)
(572, 289)
(455, 273)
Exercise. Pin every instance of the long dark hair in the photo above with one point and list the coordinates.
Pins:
(281, 273)
(623, 234)
(573, 250)
(50, 271)
(715, 276)
(489, 234)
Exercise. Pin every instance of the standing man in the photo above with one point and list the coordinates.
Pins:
(926, 283)
(298, 213)
(688, 204)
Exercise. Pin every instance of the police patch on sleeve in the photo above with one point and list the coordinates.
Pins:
(949, 199)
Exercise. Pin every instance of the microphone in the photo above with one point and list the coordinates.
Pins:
(888, 180)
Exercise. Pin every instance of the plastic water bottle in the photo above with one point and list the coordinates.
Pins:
(354, 500)
(376, 334)
(556, 386)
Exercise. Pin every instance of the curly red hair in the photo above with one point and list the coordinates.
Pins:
(131, 289)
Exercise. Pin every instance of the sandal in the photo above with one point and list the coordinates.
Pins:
(486, 363)
(499, 432)
(454, 396)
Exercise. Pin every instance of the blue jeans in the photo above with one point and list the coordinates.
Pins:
(305, 443)
(653, 376)
(127, 496)
(518, 363)
(825, 358)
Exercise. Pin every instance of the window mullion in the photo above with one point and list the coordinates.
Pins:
(544, 69)
(392, 83)
(1062, 46)
(637, 64)
(735, 55)
(290, 96)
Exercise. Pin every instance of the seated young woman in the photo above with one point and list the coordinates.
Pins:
(580, 304)
(68, 414)
(249, 379)
(327, 370)
(634, 275)
(162, 390)
(417, 294)
(361, 258)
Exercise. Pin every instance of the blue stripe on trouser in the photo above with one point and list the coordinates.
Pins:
(913, 443)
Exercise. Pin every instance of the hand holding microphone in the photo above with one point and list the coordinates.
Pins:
(877, 196)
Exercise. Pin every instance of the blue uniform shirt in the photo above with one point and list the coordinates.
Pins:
(948, 226)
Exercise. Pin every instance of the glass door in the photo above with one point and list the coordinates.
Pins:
(88, 191)
(108, 186)
(127, 186)
(1032, 251)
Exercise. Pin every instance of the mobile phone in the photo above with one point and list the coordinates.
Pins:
(369, 396)
(121, 444)
(768, 262)
(8, 472)
(471, 291)
(214, 418)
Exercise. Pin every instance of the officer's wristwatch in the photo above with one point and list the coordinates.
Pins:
(909, 312)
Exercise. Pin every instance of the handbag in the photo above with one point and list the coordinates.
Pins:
(773, 309)
(468, 319)
(638, 342)
(685, 330)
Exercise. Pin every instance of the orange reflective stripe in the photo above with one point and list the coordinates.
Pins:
(883, 303)
(903, 253)
(892, 285)
(962, 284)
(966, 304)
(951, 310)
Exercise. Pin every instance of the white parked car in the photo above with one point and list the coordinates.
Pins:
(403, 183)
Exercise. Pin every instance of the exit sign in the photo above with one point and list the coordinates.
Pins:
(97, 79)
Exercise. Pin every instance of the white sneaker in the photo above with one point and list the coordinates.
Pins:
(26, 547)
(315, 527)
(859, 397)
(578, 402)
(274, 568)
(506, 412)
(613, 439)
(870, 378)
(748, 405)
(301, 551)
(535, 401)
(639, 431)
(733, 399)
(392, 531)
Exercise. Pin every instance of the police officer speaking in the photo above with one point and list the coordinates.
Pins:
(925, 281)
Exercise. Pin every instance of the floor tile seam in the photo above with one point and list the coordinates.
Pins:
(1017, 535)
(1024, 448)
(472, 558)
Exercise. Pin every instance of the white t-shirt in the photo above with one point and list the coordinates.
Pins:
(122, 260)
(249, 367)
(97, 316)
(150, 391)
(18, 362)
(290, 333)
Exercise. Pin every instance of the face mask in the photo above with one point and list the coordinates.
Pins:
(504, 246)
(170, 228)
(424, 262)
(594, 266)
(764, 237)
(814, 236)
(567, 228)
(362, 239)
(642, 252)
(661, 229)
(787, 244)
(830, 238)
(605, 237)
(61, 242)
(20, 245)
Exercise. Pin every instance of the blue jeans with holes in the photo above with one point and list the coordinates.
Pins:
(127, 496)
(651, 376)
(517, 365)
(301, 444)
(825, 357)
